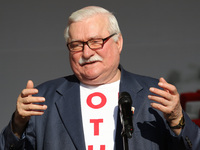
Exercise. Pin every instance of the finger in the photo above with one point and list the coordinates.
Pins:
(28, 92)
(28, 110)
(34, 107)
(161, 93)
(30, 84)
(32, 113)
(159, 100)
(167, 86)
(160, 107)
(29, 100)
(162, 80)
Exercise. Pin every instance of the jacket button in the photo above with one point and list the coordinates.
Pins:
(11, 147)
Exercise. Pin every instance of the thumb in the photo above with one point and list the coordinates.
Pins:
(30, 84)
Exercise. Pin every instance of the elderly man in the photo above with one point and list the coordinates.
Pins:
(81, 111)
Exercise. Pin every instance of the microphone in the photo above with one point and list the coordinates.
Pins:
(126, 114)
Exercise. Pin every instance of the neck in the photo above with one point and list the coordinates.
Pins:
(95, 82)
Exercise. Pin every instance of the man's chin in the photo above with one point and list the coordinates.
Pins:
(90, 80)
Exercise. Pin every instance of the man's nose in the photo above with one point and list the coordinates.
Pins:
(87, 52)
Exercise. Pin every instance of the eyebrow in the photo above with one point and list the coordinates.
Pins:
(91, 38)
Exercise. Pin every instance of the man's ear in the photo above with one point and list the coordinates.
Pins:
(120, 42)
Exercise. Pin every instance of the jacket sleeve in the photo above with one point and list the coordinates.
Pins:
(8, 141)
(188, 139)
(191, 134)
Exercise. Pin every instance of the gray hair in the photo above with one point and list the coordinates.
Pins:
(90, 11)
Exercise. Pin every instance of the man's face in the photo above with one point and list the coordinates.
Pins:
(96, 71)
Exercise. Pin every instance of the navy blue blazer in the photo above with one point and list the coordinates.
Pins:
(60, 128)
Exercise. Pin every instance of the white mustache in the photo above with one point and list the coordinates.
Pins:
(83, 61)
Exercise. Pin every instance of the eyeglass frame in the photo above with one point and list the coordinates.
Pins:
(104, 41)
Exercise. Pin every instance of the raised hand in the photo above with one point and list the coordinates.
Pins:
(168, 102)
(26, 108)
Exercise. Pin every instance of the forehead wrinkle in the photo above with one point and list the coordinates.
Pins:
(86, 29)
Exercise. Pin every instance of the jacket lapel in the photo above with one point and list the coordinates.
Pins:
(69, 108)
(130, 85)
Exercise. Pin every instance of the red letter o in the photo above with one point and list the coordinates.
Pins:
(103, 100)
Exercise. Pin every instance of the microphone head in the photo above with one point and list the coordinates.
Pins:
(126, 114)
(124, 97)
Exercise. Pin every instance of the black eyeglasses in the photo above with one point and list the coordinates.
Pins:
(93, 44)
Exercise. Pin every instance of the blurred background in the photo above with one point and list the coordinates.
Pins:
(161, 38)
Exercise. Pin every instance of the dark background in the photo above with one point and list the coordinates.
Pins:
(161, 38)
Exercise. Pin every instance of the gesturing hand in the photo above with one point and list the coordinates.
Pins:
(168, 102)
(26, 108)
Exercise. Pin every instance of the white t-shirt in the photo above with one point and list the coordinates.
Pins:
(99, 105)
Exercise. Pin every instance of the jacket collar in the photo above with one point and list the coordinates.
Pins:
(128, 83)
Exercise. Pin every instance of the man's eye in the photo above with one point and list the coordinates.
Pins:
(75, 44)
(96, 41)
